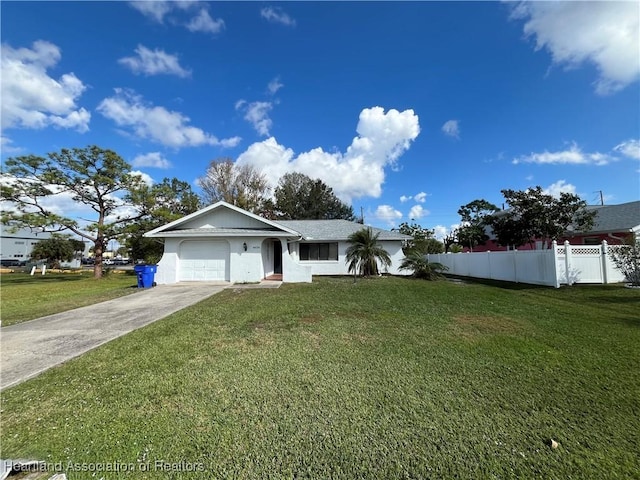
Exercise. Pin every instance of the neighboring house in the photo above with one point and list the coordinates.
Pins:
(612, 223)
(225, 243)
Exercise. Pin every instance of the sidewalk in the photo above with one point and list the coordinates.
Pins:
(28, 349)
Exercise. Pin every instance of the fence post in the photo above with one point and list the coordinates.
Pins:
(556, 277)
(567, 262)
(605, 251)
(515, 264)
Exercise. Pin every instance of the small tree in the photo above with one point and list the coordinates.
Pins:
(55, 250)
(365, 252)
(474, 216)
(421, 267)
(422, 242)
(627, 258)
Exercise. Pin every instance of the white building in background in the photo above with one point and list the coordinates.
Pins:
(18, 245)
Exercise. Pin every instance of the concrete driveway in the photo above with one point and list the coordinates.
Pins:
(28, 349)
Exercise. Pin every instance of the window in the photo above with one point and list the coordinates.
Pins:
(319, 251)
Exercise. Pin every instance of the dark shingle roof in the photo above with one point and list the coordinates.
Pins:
(334, 229)
(616, 218)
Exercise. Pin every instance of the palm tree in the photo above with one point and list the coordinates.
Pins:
(365, 252)
(421, 267)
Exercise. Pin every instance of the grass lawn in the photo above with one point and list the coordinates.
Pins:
(25, 297)
(385, 378)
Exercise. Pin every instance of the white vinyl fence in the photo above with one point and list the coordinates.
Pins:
(560, 264)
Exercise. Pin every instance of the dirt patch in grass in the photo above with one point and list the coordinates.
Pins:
(472, 327)
(312, 318)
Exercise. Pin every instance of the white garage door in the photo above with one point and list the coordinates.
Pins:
(202, 260)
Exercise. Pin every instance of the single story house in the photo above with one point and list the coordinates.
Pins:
(612, 223)
(222, 242)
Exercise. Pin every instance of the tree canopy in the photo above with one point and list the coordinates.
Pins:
(240, 185)
(163, 203)
(56, 249)
(299, 197)
(422, 242)
(474, 221)
(534, 215)
(94, 178)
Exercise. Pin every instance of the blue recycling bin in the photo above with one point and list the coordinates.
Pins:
(145, 274)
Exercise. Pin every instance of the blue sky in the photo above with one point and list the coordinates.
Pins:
(407, 110)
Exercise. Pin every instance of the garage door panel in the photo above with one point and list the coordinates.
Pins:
(204, 261)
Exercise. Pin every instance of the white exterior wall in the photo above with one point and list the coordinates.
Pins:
(339, 267)
(244, 267)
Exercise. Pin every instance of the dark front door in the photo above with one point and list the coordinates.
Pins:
(277, 257)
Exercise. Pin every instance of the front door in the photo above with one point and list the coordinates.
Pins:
(277, 257)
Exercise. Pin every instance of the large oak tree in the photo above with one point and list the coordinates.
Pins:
(536, 216)
(300, 197)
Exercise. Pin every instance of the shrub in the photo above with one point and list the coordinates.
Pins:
(627, 258)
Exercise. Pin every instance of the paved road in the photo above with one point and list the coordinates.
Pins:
(28, 349)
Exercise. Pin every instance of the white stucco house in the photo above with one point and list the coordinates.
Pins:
(225, 243)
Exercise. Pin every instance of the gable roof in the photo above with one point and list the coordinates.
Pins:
(310, 230)
(335, 230)
(173, 229)
(616, 218)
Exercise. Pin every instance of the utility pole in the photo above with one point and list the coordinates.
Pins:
(362, 215)
(601, 198)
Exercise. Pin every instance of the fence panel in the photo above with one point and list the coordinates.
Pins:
(561, 264)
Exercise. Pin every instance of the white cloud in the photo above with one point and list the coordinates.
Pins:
(7, 147)
(404, 198)
(33, 99)
(440, 231)
(388, 214)
(573, 156)
(145, 177)
(277, 15)
(420, 197)
(154, 62)
(561, 186)
(157, 10)
(157, 124)
(152, 159)
(418, 211)
(257, 114)
(204, 23)
(154, 10)
(451, 128)
(274, 86)
(630, 148)
(360, 171)
(604, 34)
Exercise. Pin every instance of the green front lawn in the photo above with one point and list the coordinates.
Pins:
(25, 297)
(385, 378)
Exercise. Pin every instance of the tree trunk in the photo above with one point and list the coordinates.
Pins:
(97, 253)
